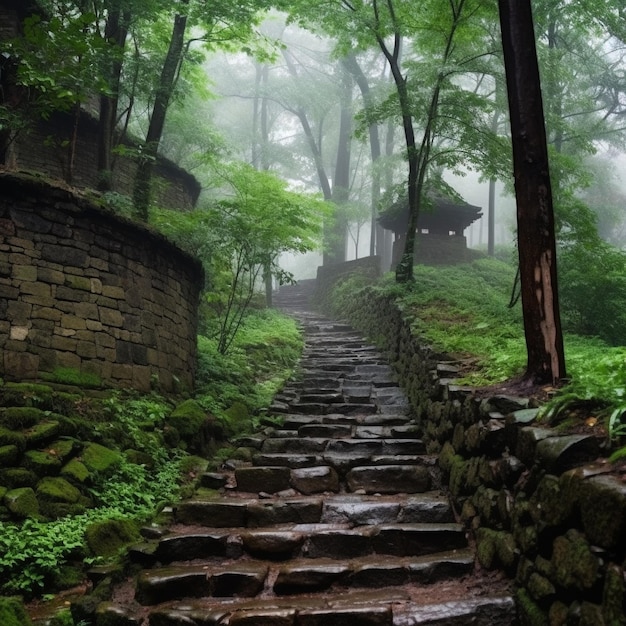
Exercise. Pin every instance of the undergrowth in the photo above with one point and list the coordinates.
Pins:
(262, 357)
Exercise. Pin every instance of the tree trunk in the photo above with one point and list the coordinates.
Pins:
(352, 65)
(169, 73)
(335, 236)
(116, 30)
(535, 215)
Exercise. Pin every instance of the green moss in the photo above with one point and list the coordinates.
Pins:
(540, 587)
(76, 470)
(139, 458)
(575, 565)
(74, 377)
(529, 612)
(63, 448)
(187, 418)
(22, 502)
(20, 417)
(15, 477)
(613, 596)
(486, 547)
(99, 459)
(8, 455)
(42, 463)
(13, 613)
(57, 489)
(9, 437)
(41, 434)
(107, 538)
(458, 475)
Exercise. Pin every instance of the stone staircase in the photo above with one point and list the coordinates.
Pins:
(338, 518)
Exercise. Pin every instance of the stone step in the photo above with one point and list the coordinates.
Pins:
(357, 510)
(393, 607)
(248, 577)
(335, 541)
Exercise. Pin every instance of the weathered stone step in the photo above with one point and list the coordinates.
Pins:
(354, 608)
(344, 508)
(389, 479)
(272, 479)
(247, 578)
(335, 541)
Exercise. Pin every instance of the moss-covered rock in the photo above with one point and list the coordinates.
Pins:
(63, 448)
(57, 489)
(198, 431)
(99, 459)
(613, 596)
(603, 511)
(20, 417)
(22, 502)
(67, 577)
(540, 587)
(9, 455)
(11, 438)
(75, 471)
(486, 547)
(15, 477)
(108, 537)
(13, 613)
(42, 433)
(530, 614)
(42, 463)
(574, 564)
(139, 458)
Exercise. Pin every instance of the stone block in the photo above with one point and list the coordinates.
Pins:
(20, 365)
(111, 317)
(52, 276)
(27, 273)
(73, 322)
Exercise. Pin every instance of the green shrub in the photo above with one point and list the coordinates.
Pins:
(592, 291)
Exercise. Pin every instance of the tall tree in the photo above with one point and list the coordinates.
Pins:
(535, 215)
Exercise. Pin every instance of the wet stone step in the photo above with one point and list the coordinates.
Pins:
(224, 513)
(364, 510)
(356, 608)
(389, 479)
(418, 539)
(174, 583)
(294, 445)
(330, 431)
(293, 461)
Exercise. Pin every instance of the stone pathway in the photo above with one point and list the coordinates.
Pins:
(338, 519)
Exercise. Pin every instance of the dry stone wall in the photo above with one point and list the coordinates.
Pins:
(543, 506)
(83, 289)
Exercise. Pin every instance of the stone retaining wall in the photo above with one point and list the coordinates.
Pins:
(83, 289)
(540, 505)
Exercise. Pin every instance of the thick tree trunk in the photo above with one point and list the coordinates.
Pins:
(535, 215)
(169, 73)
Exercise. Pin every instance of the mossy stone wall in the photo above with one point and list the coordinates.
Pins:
(540, 505)
(83, 289)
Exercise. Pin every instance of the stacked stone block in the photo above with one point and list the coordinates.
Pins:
(81, 288)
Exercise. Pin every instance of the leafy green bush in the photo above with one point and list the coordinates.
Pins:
(592, 291)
